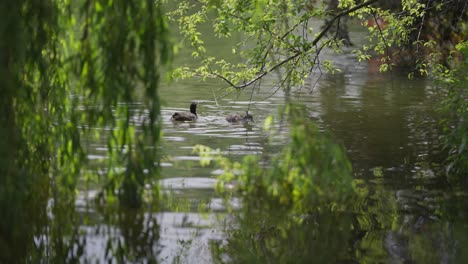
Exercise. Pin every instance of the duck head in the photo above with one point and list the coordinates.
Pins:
(193, 108)
(248, 117)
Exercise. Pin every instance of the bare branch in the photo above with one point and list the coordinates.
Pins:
(420, 28)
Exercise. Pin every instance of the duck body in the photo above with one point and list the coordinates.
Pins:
(239, 118)
(186, 116)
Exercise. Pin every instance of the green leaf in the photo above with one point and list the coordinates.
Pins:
(98, 6)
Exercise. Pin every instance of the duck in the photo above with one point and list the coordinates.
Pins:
(186, 116)
(240, 118)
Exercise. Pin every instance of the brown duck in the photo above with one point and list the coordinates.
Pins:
(240, 118)
(186, 116)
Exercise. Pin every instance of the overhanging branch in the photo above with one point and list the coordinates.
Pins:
(297, 54)
(340, 14)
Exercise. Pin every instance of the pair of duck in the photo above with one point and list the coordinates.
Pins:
(192, 116)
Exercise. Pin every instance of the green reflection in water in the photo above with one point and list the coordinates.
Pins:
(274, 236)
(132, 235)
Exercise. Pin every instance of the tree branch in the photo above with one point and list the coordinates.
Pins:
(340, 14)
(298, 53)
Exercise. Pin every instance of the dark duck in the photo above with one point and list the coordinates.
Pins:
(186, 116)
(240, 118)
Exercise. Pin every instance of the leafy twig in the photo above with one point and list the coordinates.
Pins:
(298, 53)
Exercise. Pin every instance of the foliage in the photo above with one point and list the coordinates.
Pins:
(281, 36)
(71, 70)
(454, 108)
(278, 36)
